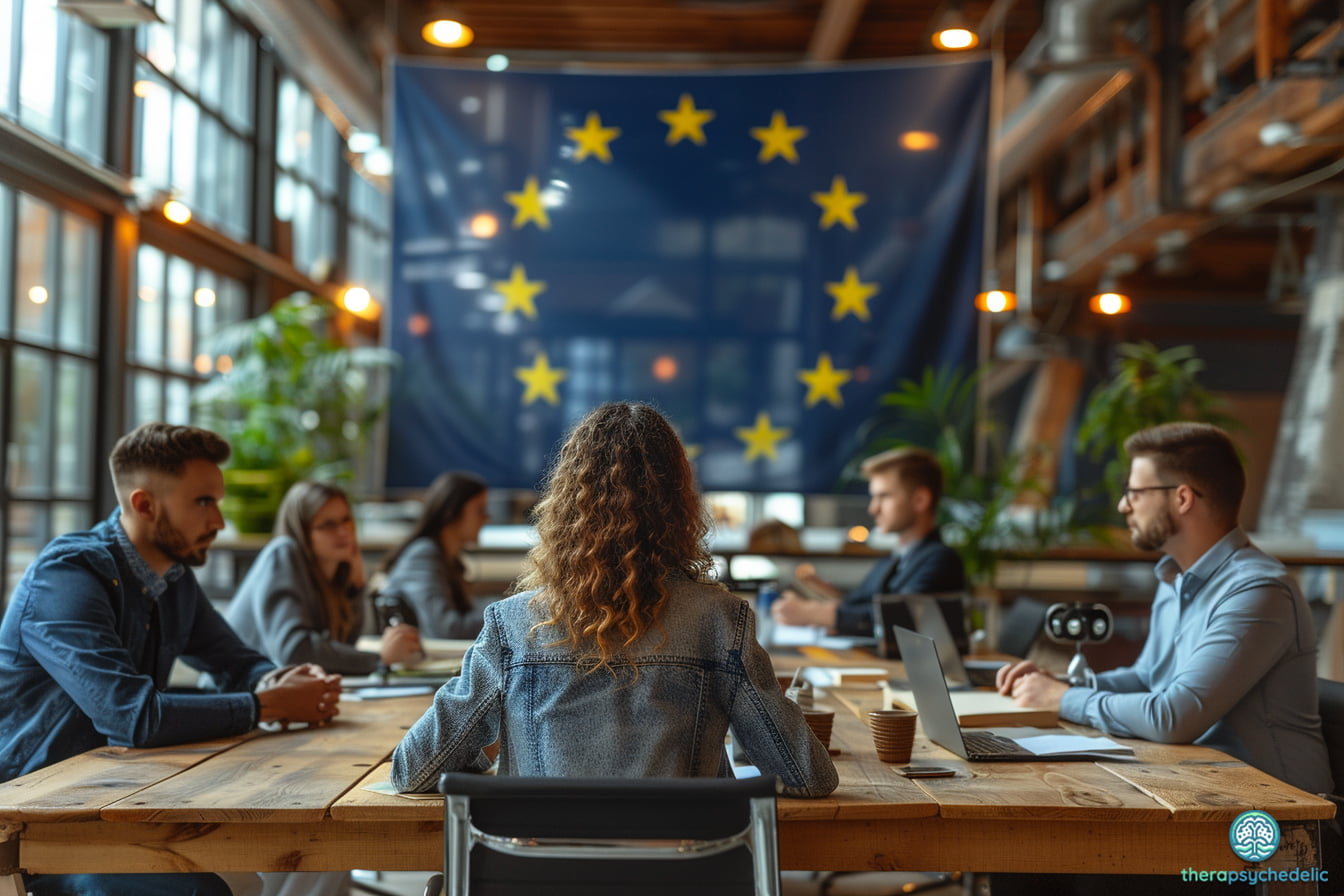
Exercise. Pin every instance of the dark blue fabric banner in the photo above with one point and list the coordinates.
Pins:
(758, 254)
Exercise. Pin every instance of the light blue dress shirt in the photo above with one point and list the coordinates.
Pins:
(1230, 663)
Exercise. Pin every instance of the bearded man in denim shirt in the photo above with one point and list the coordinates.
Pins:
(92, 631)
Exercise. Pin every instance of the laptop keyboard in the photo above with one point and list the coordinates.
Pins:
(983, 743)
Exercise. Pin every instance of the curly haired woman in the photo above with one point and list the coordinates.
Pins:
(623, 659)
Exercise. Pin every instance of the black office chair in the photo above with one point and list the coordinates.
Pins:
(609, 836)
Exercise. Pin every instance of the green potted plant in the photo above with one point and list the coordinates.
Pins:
(1150, 386)
(294, 402)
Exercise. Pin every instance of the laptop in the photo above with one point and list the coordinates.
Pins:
(895, 609)
(928, 614)
(939, 718)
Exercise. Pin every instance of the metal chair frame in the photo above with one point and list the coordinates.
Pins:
(460, 835)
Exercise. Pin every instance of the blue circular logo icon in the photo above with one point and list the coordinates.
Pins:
(1254, 836)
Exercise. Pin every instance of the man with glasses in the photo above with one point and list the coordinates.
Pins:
(1230, 659)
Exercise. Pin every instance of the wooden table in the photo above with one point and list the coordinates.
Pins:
(294, 801)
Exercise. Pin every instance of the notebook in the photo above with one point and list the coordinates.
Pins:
(939, 719)
(929, 612)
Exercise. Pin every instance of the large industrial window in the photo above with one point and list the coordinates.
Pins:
(194, 129)
(52, 71)
(367, 235)
(177, 305)
(307, 153)
(48, 261)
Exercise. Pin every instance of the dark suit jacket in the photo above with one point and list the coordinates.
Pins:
(928, 567)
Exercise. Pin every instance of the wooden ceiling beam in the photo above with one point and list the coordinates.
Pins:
(835, 28)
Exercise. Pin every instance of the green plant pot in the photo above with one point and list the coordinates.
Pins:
(251, 499)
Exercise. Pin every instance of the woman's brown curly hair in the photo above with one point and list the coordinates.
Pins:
(620, 515)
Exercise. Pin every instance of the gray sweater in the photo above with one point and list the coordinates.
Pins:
(422, 578)
(278, 610)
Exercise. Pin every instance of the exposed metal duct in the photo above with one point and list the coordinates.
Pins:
(1077, 33)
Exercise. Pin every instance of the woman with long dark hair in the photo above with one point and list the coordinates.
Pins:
(623, 658)
(425, 575)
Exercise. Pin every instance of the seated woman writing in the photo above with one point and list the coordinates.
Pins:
(301, 601)
(622, 659)
(425, 575)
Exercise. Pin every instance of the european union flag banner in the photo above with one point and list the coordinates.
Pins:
(758, 254)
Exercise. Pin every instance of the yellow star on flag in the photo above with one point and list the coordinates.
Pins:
(824, 381)
(592, 138)
(686, 121)
(839, 205)
(518, 292)
(541, 379)
(527, 206)
(761, 439)
(851, 296)
(778, 139)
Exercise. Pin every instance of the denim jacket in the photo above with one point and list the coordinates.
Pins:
(81, 670)
(663, 713)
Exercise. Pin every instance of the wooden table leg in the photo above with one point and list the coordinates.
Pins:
(11, 881)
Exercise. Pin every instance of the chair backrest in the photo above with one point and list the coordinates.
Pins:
(608, 836)
(1330, 695)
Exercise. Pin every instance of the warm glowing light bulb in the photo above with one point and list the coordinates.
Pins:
(224, 363)
(204, 297)
(857, 533)
(38, 295)
(996, 301)
(955, 39)
(143, 88)
(176, 211)
(1110, 303)
(447, 33)
(483, 225)
(356, 299)
(919, 141)
(202, 364)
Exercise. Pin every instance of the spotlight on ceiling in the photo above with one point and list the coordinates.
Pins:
(446, 32)
(953, 32)
(1108, 300)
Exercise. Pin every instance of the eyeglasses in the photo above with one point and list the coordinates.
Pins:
(1130, 491)
(330, 526)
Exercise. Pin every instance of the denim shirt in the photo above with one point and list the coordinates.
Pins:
(1230, 662)
(80, 669)
(663, 713)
